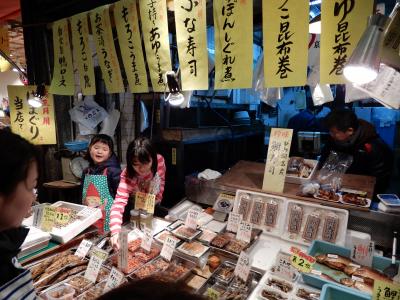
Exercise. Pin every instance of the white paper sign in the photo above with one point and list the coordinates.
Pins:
(147, 239)
(83, 248)
(362, 251)
(284, 268)
(86, 212)
(168, 248)
(95, 263)
(37, 216)
(191, 218)
(243, 266)
(233, 222)
(123, 250)
(244, 231)
(114, 279)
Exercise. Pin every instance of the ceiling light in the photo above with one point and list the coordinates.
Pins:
(363, 65)
(36, 100)
(315, 25)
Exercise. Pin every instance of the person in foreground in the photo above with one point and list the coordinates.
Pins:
(18, 179)
(350, 135)
(151, 289)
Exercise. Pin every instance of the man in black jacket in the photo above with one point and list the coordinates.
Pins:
(371, 155)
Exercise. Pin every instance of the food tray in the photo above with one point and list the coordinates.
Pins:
(291, 178)
(356, 193)
(230, 237)
(333, 292)
(302, 291)
(301, 223)
(187, 249)
(207, 236)
(162, 236)
(192, 233)
(319, 247)
(263, 211)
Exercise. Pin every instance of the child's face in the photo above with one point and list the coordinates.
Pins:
(142, 169)
(100, 152)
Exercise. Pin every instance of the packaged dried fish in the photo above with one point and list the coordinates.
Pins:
(295, 219)
(280, 284)
(331, 228)
(333, 261)
(195, 249)
(244, 206)
(235, 246)
(80, 283)
(272, 295)
(272, 213)
(225, 273)
(311, 228)
(257, 211)
(307, 294)
(221, 240)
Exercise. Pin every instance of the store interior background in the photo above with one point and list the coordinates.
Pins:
(216, 137)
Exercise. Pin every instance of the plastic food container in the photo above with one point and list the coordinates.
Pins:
(64, 292)
(333, 291)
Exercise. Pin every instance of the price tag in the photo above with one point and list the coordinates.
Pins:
(384, 290)
(63, 215)
(301, 261)
(48, 218)
(37, 216)
(243, 266)
(86, 212)
(150, 203)
(244, 231)
(123, 250)
(213, 294)
(83, 248)
(145, 202)
(147, 239)
(362, 251)
(168, 248)
(233, 222)
(191, 218)
(114, 279)
(284, 267)
(95, 263)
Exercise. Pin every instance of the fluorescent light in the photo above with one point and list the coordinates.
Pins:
(315, 27)
(360, 74)
(35, 102)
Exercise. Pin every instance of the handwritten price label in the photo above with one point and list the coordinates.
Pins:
(63, 215)
(83, 248)
(145, 202)
(242, 269)
(147, 239)
(301, 261)
(244, 232)
(233, 222)
(191, 218)
(114, 279)
(168, 248)
(384, 290)
(150, 202)
(284, 267)
(37, 216)
(48, 218)
(95, 263)
(362, 251)
(123, 250)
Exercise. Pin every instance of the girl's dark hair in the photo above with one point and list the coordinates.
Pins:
(142, 150)
(16, 155)
(102, 138)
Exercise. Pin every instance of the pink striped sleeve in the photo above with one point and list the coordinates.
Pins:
(125, 188)
(161, 169)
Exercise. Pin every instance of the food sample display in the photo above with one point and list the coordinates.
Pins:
(300, 170)
(207, 236)
(186, 233)
(194, 249)
(162, 236)
(80, 283)
(354, 197)
(228, 242)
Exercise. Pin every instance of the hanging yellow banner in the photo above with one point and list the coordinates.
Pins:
(63, 71)
(83, 53)
(105, 48)
(130, 43)
(191, 37)
(153, 14)
(4, 43)
(285, 33)
(343, 23)
(233, 25)
(37, 125)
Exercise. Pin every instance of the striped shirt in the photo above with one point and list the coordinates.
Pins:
(21, 288)
(128, 186)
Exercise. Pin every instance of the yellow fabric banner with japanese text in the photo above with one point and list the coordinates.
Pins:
(83, 53)
(130, 43)
(105, 48)
(37, 125)
(343, 23)
(233, 25)
(285, 34)
(4, 42)
(153, 14)
(62, 82)
(191, 37)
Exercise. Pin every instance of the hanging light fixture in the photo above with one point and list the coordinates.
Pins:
(36, 100)
(363, 65)
(175, 97)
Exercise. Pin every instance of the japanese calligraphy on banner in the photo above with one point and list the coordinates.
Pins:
(343, 23)
(37, 125)
(126, 21)
(108, 61)
(285, 31)
(4, 44)
(277, 159)
(83, 53)
(153, 14)
(63, 73)
(233, 20)
(191, 37)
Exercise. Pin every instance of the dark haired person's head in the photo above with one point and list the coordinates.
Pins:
(151, 289)
(341, 123)
(18, 178)
(101, 148)
(141, 158)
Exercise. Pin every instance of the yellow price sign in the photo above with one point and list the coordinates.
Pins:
(63, 215)
(384, 290)
(150, 203)
(212, 294)
(301, 261)
(48, 218)
(145, 202)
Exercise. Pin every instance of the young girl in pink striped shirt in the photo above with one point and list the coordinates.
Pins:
(145, 172)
